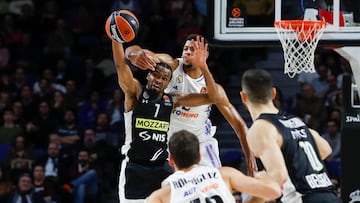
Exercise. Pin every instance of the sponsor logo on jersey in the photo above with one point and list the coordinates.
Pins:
(151, 124)
(167, 100)
(207, 188)
(298, 134)
(179, 79)
(160, 137)
(146, 95)
(185, 114)
(203, 90)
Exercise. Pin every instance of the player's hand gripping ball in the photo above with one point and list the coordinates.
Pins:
(122, 26)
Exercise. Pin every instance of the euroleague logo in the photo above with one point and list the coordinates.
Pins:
(236, 12)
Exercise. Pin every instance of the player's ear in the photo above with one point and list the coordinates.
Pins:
(171, 161)
(273, 93)
(199, 157)
(243, 97)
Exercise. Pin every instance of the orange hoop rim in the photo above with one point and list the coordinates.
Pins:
(297, 24)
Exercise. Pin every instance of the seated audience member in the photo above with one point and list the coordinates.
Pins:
(24, 191)
(69, 133)
(84, 180)
(20, 158)
(55, 164)
(44, 187)
(8, 127)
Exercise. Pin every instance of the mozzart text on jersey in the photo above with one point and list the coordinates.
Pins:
(152, 124)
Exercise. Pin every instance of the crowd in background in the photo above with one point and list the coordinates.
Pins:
(59, 98)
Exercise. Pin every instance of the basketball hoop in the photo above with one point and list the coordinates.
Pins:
(299, 39)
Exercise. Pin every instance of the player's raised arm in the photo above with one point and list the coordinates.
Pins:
(146, 59)
(126, 80)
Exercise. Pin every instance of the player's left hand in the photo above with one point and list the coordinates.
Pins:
(200, 53)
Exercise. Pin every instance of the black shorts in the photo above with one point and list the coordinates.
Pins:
(142, 180)
(323, 197)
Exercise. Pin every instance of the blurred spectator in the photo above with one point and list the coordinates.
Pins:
(104, 158)
(320, 83)
(5, 100)
(346, 70)
(11, 32)
(41, 125)
(26, 19)
(4, 54)
(5, 184)
(84, 179)
(56, 164)
(20, 78)
(333, 95)
(24, 191)
(9, 129)
(309, 107)
(333, 161)
(27, 52)
(62, 72)
(15, 6)
(60, 41)
(29, 101)
(191, 22)
(49, 14)
(57, 103)
(21, 157)
(47, 88)
(115, 110)
(73, 96)
(82, 21)
(91, 78)
(44, 187)
(19, 118)
(6, 85)
(69, 133)
(103, 130)
(90, 107)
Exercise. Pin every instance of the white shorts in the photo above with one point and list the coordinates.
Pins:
(210, 155)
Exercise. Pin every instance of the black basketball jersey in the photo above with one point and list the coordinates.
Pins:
(149, 125)
(303, 161)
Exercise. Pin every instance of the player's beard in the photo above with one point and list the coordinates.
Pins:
(187, 66)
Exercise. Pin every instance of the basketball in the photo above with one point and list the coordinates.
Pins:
(122, 26)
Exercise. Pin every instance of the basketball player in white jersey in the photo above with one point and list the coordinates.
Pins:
(194, 183)
(188, 78)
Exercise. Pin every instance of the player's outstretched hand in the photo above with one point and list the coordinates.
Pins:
(144, 59)
(200, 52)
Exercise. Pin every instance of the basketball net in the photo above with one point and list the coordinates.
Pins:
(299, 39)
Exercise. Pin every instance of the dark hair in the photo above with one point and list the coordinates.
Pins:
(184, 148)
(193, 36)
(257, 84)
(165, 66)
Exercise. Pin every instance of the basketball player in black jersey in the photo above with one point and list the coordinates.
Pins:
(147, 116)
(287, 148)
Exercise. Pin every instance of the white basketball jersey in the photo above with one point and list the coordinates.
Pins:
(201, 184)
(195, 119)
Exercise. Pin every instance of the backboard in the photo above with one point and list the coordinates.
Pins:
(251, 22)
